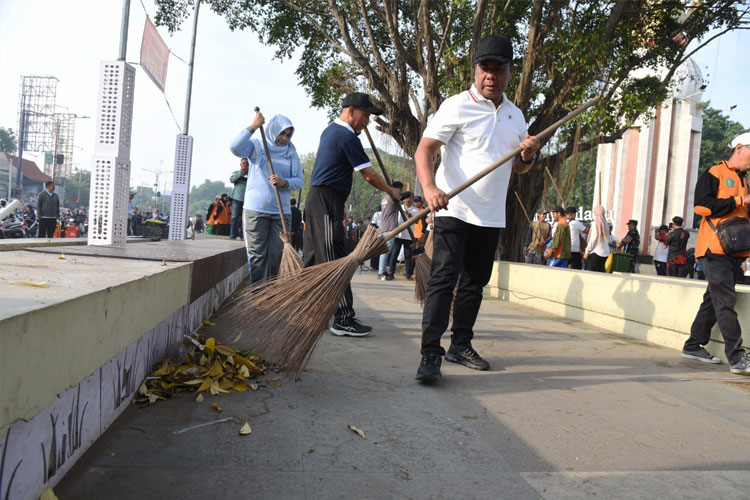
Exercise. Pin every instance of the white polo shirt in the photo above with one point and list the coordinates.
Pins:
(475, 134)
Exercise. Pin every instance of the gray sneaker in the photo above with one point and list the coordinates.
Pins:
(741, 367)
(701, 355)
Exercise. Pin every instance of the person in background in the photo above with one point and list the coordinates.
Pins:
(597, 249)
(559, 250)
(48, 209)
(538, 238)
(239, 179)
(630, 244)
(296, 227)
(676, 242)
(660, 250)
(211, 213)
(577, 238)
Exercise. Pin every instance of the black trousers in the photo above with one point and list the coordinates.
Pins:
(325, 237)
(47, 227)
(576, 260)
(661, 268)
(718, 306)
(596, 263)
(458, 248)
(408, 256)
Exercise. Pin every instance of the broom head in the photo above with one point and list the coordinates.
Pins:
(291, 262)
(422, 266)
(291, 312)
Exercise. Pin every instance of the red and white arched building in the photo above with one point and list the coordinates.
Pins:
(649, 174)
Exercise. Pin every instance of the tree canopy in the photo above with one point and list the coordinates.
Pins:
(410, 55)
(8, 141)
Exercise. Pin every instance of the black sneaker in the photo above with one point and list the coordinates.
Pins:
(350, 328)
(466, 356)
(742, 366)
(429, 368)
(701, 355)
(389, 277)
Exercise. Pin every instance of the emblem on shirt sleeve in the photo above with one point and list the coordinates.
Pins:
(730, 183)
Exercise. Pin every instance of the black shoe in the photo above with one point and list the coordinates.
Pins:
(701, 355)
(429, 368)
(466, 356)
(350, 328)
(389, 277)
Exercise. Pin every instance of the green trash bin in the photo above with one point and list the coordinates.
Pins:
(621, 262)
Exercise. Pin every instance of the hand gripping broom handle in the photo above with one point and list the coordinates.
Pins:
(270, 168)
(543, 134)
(387, 179)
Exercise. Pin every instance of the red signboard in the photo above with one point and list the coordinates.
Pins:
(154, 55)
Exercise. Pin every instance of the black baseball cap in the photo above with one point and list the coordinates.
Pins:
(570, 210)
(360, 100)
(633, 221)
(494, 48)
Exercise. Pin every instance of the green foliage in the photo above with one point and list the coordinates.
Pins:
(411, 55)
(8, 141)
(364, 200)
(205, 194)
(77, 188)
(718, 131)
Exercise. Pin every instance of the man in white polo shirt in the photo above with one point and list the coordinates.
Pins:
(471, 130)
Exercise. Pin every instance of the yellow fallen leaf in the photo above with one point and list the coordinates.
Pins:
(42, 284)
(215, 371)
(142, 389)
(230, 360)
(48, 494)
(357, 430)
(226, 384)
(162, 370)
(203, 361)
(208, 322)
(199, 399)
(254, 387)
(215, 406)
(216, 389)
(244, 371)
(238, 337)
(245, 429)
(205, 385)
(195, 381)
(258, 340)
(210, 343)
(61, 257)
(240, 387)
(273, 383)
(225, 349)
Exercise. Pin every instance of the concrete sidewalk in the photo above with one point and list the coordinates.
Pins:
(566, 412)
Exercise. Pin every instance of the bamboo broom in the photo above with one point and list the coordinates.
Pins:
(290, 259)
(292, 313)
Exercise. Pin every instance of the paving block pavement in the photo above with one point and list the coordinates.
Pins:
(567, 411)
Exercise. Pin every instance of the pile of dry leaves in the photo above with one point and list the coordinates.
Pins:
(209, 366)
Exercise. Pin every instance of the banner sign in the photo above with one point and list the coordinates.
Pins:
(154, 55)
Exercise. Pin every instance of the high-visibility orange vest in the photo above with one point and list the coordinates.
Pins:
(730, 185)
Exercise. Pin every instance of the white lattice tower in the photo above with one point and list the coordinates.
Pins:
(110, 170)
(178, 216)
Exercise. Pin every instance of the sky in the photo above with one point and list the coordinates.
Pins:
(233, 73)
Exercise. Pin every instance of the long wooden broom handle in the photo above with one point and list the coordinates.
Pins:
(388, 180)
(270, 168)
(522, 207)
(554, 185)
(468, 182)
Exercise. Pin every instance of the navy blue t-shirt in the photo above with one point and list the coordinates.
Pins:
(339, 153)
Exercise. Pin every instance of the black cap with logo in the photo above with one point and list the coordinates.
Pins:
(360, 100)
(494, 48)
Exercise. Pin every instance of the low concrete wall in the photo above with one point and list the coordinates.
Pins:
(650, 308)
(73, 354)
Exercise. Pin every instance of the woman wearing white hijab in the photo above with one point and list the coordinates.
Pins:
(261, 213)
(597, 249)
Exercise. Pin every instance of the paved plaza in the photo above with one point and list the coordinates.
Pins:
(567, 411)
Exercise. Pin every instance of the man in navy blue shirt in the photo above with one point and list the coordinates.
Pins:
(340, 153)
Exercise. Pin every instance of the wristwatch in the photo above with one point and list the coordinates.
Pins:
(520, 158)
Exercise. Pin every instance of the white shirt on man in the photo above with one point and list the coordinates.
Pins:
(410, 212)
(476, 135)
(576, 227)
